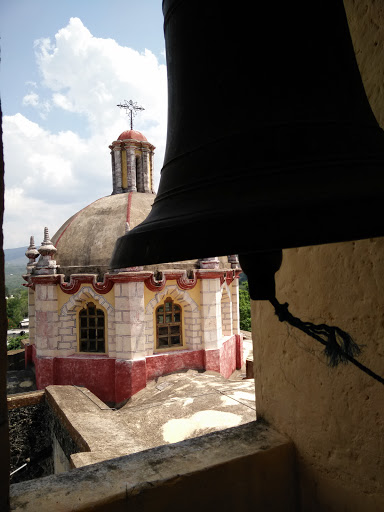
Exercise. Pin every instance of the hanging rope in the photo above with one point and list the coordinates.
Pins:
(339, 345)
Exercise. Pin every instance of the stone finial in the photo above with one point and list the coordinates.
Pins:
(233, 259)
(46, 263)
(209, 263)
(31, 253)
(47, 246)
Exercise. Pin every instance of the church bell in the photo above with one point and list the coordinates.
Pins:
(271, 140)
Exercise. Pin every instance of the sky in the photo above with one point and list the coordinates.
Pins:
(65, 65)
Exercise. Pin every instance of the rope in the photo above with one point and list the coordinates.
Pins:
(339, 345)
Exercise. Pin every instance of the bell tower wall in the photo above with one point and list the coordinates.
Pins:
(132, 166)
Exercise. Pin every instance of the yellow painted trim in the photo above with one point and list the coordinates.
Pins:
(98, 306)
(168, 349)
(124, 177)
(62, 297)
(148, 296)
(194, 292)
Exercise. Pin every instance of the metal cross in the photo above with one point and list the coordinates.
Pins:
(131, 108)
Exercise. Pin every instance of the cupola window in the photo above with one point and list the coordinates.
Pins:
(168, 325)
(92, 329)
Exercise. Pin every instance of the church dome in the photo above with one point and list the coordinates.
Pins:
(85, 242)
(132, 135)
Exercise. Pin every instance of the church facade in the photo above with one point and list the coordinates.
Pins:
(112, 331)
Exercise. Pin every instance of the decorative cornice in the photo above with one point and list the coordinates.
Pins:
(102, 287)
(44, 279)
(228, 277)
(181, 277)
(151, 282)
(125, 144)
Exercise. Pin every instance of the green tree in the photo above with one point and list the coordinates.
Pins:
(17, 308)
(245, 307)
(15, 343)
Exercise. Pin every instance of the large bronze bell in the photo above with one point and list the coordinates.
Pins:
(271, 141)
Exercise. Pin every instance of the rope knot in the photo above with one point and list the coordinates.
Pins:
(339, 345)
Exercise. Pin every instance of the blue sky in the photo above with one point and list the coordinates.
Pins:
(64, 67)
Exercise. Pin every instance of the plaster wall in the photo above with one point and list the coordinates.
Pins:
(226, 311)
(234, 287)
(211, 324)
(129, 320)
(31, 316)
(47, 320)
(334, 416)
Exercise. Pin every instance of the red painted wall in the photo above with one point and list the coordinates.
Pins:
(93, 372)
(239, 351)
(115, 380)
(44, 371)
(161, 364)
(227, 358)
(130, 377)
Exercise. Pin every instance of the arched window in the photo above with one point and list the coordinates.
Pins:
(92, 329)
(168, 325)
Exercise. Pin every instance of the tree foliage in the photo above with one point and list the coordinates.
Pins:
(17, 308)
(245, 307)
(15, 343)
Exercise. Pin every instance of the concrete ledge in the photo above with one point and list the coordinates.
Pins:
(25, 399)
(250, 467)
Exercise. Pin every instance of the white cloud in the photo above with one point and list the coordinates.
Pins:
(50, 174)
(31, 99)
(27, 216)
(90, 75)
(60, 100)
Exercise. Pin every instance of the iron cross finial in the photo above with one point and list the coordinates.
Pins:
(131, 108)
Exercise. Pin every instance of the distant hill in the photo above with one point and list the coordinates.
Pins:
(15, 256)
(15, 263)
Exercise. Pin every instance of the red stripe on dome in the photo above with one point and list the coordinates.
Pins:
(129, 209)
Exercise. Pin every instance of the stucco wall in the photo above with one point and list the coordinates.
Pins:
(335, 417)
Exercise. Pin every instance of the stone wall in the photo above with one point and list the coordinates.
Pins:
(30, 437)
(38, 437)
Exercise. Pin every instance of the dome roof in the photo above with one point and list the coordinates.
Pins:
(85, 242)
(88, 238)
(132, 134)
